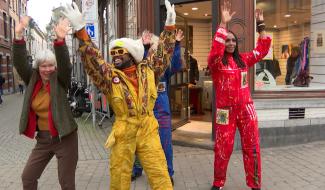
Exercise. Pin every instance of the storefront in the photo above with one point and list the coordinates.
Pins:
(288, 94)
(288, 86)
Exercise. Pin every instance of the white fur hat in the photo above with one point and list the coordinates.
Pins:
(134, 47)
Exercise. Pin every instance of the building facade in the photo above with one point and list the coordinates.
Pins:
(5, 45)
(290, 109)
(10, 10)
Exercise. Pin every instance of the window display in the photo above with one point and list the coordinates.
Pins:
(292, 62)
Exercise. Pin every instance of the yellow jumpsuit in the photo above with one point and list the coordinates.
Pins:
(135, 129)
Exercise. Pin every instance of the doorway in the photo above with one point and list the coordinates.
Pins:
(191, 89)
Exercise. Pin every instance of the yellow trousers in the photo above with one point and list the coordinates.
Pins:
(141, 137)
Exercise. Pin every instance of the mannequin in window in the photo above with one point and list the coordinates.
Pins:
(295, 53)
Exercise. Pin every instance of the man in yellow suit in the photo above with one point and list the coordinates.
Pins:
(129, 84)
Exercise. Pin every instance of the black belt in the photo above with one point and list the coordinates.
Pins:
(47, 135)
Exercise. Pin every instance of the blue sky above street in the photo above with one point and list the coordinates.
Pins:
(41, 10)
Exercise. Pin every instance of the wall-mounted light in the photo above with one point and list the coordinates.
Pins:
(275, 26)
(195, 8)
(287, 15)
(185, 14)
(206, 14)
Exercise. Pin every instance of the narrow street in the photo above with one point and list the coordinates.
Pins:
(287, 168)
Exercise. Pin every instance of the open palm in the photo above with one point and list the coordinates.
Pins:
(146, 37)
(24, 21)
(226, 16)
(62, 28)
(259, 15)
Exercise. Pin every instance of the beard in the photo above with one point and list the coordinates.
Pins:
(123, 62)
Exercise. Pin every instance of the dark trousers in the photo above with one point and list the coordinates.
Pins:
(1, 95)
(21, 88)
(66, 152)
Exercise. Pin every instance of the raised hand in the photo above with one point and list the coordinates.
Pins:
(72, 13)
(171, 14)
(179, 35)
(260, 25)
(226, 16)
(259, 15)
(146, 37)
(19, 30)
(62, 28)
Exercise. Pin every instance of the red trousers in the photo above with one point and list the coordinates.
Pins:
(244, 117)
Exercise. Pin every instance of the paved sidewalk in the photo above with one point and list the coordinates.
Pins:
(299, 167)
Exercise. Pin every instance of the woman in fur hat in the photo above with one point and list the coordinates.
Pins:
(129, 83)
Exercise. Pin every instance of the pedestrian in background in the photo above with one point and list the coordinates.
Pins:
(21, 86)
(2, 81)
(46, 109)
(234, 105)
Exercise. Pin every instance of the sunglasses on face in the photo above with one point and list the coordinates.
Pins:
(119, 51)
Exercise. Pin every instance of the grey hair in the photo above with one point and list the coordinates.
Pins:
(44, 56)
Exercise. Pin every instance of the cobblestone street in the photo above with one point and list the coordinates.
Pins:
(299, 167)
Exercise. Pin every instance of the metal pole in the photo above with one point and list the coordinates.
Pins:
(93, 109)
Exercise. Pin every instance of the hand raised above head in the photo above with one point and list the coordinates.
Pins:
(19, 29)
(146, 37)
(259, 15)
(62, 28)
(226, 16)
(72, 13)
(171, 14)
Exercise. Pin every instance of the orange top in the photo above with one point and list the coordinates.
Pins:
(131, 73)
(40, 105)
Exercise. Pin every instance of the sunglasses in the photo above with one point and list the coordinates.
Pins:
(119, 51)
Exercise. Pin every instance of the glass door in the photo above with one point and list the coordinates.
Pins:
(179, 92)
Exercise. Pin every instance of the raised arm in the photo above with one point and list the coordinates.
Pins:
(176, 62)
(95, 65)
(161, 58)
(19, 51)
(64, 66)
(218, 42)
(263, 42)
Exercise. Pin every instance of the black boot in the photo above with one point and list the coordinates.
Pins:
(215, 188)
(256, 188)
(172, 180)
(135, 176)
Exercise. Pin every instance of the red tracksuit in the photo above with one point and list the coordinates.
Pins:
(234, 107)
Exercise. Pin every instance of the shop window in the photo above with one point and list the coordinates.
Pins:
(293, 62)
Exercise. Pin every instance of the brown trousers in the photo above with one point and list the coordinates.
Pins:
(66, 152)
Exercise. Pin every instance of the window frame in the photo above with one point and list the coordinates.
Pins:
(278, 94)
(5, 26)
